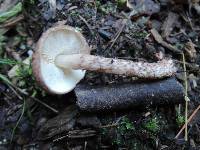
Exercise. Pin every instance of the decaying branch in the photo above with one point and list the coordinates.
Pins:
(116, 97)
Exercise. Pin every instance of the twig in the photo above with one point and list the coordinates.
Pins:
(23, 110)
(14, 91)
(12, 21)
(189, 120)
(44, 104)
(87, 24)
(109, 125)
(118, 33)
(121, 29)
(37, 100)
(186, 98)
(10, 85)
(60, 138)
(160, 41)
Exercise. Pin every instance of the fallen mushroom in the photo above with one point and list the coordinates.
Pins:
(63, 55)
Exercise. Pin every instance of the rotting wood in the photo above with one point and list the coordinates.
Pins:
(117, 97)
(59, 124)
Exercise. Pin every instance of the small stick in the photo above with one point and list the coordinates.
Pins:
(87, 24)
(188, 121)
(118, 33)
(12, 21)
(44, 104)
(18, 121)
(160, 41)
(109, 125)
(37, 100)
(186, 97)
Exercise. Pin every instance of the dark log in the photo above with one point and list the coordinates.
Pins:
(124, 96)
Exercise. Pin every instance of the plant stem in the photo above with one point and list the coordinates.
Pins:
(186, 98)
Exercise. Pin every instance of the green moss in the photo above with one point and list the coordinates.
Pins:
(121, 3)
(124, 129)
(108, 8)
(26, 80)
(126, 125)
(2, 42)
(140, 35)
(180, 120)
(152, 125)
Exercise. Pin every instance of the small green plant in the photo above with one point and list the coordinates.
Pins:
(6, 61)
(126, 125)
(121, 3)
(98, 3)
(180, 120)
(124, 129)
(108, 8)
(32, 2)
(24, 71)
(27, 81)
(140, 35)
(2, 42)
(152, 125)
(11, 13)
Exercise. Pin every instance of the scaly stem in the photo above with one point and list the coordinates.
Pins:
(160, 69)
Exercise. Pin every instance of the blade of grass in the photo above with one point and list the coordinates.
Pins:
(186, 98)
(5, 80)
(10, 85)
(8, 62)
(11, 13)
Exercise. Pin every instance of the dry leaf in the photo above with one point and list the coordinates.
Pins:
(190, 51)
(168, 24)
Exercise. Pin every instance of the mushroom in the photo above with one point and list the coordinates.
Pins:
(62, 56)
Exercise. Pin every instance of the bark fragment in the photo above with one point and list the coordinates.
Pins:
(160, 41)
(168, 24)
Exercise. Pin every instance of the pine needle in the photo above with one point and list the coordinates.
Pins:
(18, 121)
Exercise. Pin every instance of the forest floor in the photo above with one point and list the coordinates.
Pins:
(33, 119)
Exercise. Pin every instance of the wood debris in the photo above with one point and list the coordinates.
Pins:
(168, 24)
(160, 40)
(124, 96)
(190, 51)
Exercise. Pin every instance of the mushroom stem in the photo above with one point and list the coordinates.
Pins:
(160, 69)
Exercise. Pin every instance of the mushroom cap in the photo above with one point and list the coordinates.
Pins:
(61, 39)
